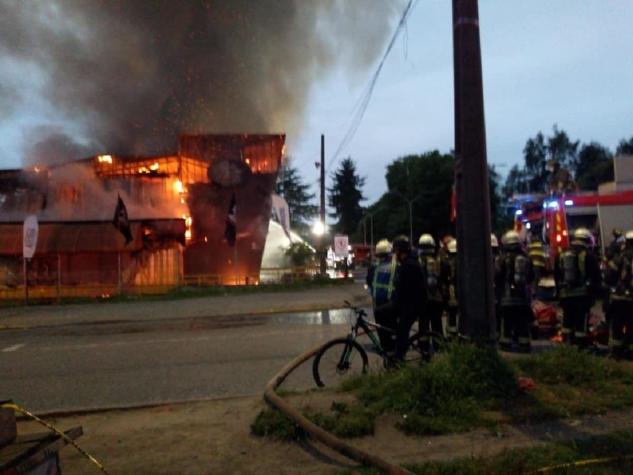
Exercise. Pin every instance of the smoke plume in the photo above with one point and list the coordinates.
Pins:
(133, 74)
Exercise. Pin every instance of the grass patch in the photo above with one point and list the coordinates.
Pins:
(272, 423)
(345, 420)
(469, 387)
(518, 461)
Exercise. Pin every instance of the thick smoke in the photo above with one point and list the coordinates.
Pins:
(133, 74)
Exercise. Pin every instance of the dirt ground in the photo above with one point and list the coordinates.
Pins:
(214, 437)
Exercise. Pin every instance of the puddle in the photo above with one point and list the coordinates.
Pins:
(339, 316)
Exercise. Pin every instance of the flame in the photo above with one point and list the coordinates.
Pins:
(178, 187)
(188, 235)
(154, 166)
(143, 170)
(105, 159)
(188, 223)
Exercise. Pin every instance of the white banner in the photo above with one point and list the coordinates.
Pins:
(341, 245)
(29, 236)
(282, 213)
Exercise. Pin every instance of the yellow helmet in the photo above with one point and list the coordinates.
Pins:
(452, 246)
(511, 238)
(383, 247)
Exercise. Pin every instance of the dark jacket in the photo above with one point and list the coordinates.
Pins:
(410, 287)
(512, 285)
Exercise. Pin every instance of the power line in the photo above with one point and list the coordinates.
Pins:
(361, 106)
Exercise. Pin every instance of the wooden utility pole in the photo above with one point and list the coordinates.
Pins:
(322, 250)
(471, 178)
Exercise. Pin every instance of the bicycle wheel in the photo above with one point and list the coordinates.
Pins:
(339, 360)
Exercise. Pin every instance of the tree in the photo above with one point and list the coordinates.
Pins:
(345, 197)
(290, 185)
(562, 149)
(516, 182)
(594, 166)
(535, 156)
(427, 179)
(625, 147)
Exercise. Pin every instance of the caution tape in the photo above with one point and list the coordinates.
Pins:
(27, 413)
(583, 463)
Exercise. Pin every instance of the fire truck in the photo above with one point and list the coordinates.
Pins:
(553, 218)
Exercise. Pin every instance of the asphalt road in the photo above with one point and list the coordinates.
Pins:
(118, 364)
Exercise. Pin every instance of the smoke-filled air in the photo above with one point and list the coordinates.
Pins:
(127, 76)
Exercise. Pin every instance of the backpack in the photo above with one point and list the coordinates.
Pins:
(520, 270)
(432, 273)
(572, 272)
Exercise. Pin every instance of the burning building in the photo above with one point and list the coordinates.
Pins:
(177, 205)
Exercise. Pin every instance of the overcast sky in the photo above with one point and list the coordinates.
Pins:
(545, 62)
(568, 62)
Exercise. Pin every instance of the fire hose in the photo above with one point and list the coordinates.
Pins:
(317, 432)
(22, 410)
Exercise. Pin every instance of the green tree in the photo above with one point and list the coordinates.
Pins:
(535, 156)
(291, 186)
(345, 197)
(516, 182)
(425, 179)
(625, 147)
(594, 166)
(562, 149)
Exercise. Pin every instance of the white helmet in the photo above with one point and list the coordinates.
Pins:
(383, 247)
(583, 237)
(426, 240)
(493, 241)
(452, 246)
(511, 238)
(629, 235)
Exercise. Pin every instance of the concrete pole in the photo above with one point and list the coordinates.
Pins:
(471, 178)
(322, 264)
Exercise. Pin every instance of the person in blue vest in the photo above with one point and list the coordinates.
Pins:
(380, 281)
(578, 284)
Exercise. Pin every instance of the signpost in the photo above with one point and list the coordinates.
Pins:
(30, 230)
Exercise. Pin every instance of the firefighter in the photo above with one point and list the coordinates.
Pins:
(513, 278)
(536, 253)
(578, 283)
(619, 278)
(449, 282)
(431, 265)
(410, 293)
(380, 280)
(494, 244)
(616, 245)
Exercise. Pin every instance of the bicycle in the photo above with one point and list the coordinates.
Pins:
(343, 358)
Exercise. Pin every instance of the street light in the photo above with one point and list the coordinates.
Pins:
(319, 228)
(410, 203)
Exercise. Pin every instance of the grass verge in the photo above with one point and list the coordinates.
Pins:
(469, 387)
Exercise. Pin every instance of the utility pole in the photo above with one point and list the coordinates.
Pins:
(322, 268)
(471, 178)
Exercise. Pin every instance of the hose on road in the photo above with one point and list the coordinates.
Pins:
(315, 431)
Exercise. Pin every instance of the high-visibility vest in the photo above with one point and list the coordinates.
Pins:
(574, 273)
(536, 252)
(384, 277)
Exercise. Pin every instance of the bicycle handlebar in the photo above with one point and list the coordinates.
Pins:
(358, 311)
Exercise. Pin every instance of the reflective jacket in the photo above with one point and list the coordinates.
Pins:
(536, 253)
(449, 279)
(383, 282)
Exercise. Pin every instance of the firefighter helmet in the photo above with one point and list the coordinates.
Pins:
(494, 243)
(426, 240)
(582, 237)
(401, 244)
(629, 235)
(511, 238)
(383, 247)
(452, 246)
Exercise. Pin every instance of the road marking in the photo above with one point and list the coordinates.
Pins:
(13, 347)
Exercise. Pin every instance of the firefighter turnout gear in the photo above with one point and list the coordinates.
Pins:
(432, 267)
(381, 280)
(536, 253)
(450, 288)
(619, 278)
(513, 279)
(578, 283)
